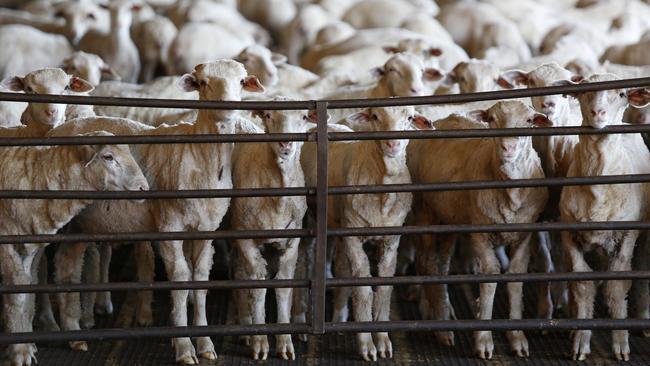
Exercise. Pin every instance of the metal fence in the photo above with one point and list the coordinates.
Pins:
(318, 284)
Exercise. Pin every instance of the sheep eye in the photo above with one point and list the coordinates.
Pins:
(108, 157)
(91, 16)
(241, 81)
(622, 95)
(529, 120)
(374, 116)
(410, 118)
(267, 116)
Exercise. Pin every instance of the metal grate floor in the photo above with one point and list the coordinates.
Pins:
(410, 348)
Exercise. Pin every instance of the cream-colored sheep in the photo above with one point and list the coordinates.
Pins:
(361, 163)
(180, 166)
(268, 165)
(105, 167)
(604, 155)
(479, 159)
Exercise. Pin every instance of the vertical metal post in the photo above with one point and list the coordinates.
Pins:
(318, 282)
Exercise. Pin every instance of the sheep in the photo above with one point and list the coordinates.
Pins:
(224, 15)
(447, 55)
(104, 167)
(428, 26)
(38, 118)
(473, 76)
(271, 14)
(382, 13)
(27, 49)
(479, 159)
(116, 46)
(89, 67)
(303, 29)
(153, 37)
(163, 87)
(202, 42)
(273, 164)
(174, 167)
(358, 163)
(604, 155)
(634, 54)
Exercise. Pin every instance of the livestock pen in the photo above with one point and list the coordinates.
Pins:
(324, 345)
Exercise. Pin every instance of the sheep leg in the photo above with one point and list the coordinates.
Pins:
(299, 295)
(202, 255)
(616, 295)
(381, 300)
(544, 298)
(68, 267)
(286, 270)
(178, 270)
(518, 264)
(437, 295)
(103, 303)
(342, 268)
(640, 291)
(16, 271)
(255, 268)
(90, 275)
(145, 272)
(582, 296)
(352, 249)
(46, 315)
(488, 264)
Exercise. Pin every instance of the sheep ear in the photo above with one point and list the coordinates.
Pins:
(639, 98)
(512, 78)
(312, 116)
(432, 74)
(15, 83)
(109, 74)
(389, 49)
(188, 83)
(359, 117)
(278, 58)
(479, 115)
(79, 85)
(540, 120)
(421, 122)
(377, 72)
(252, 84)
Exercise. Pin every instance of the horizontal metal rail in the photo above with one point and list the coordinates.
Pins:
(331, 104)
(258, 329)
(335, 232)
(334, 190)
(311, 136)
(330, 283)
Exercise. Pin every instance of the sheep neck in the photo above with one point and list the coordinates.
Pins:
(598, 155)
(390, 167)
(36, 128)
(287, 168)
(521, 168)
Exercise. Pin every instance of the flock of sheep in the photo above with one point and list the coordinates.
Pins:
(229, 50)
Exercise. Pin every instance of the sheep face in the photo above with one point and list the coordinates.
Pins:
(404, 75)
(261, 62)
(553, 106)
(286, 122)
(391, 119)
(111, 167)
(88, 66)
(605, 107)
(221, 80)
(511, 114)
(474, 76)
(47, 81)
(79, 18)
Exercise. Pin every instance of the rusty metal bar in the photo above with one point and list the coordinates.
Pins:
(392, 326)
(330, 283)
(319, 281)
(332, 104)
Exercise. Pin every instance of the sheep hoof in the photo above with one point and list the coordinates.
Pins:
(105, 308)
(646, 333)
(366, 347)
(284, 347)
(518, 343)
(484, 345)
(185, 353)
(209, 355)
(620, 345)
(581, 346)
(445, 338)
(384, 345)
(22, 354)
(188, 360)
(260, 345)
(79, 346)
